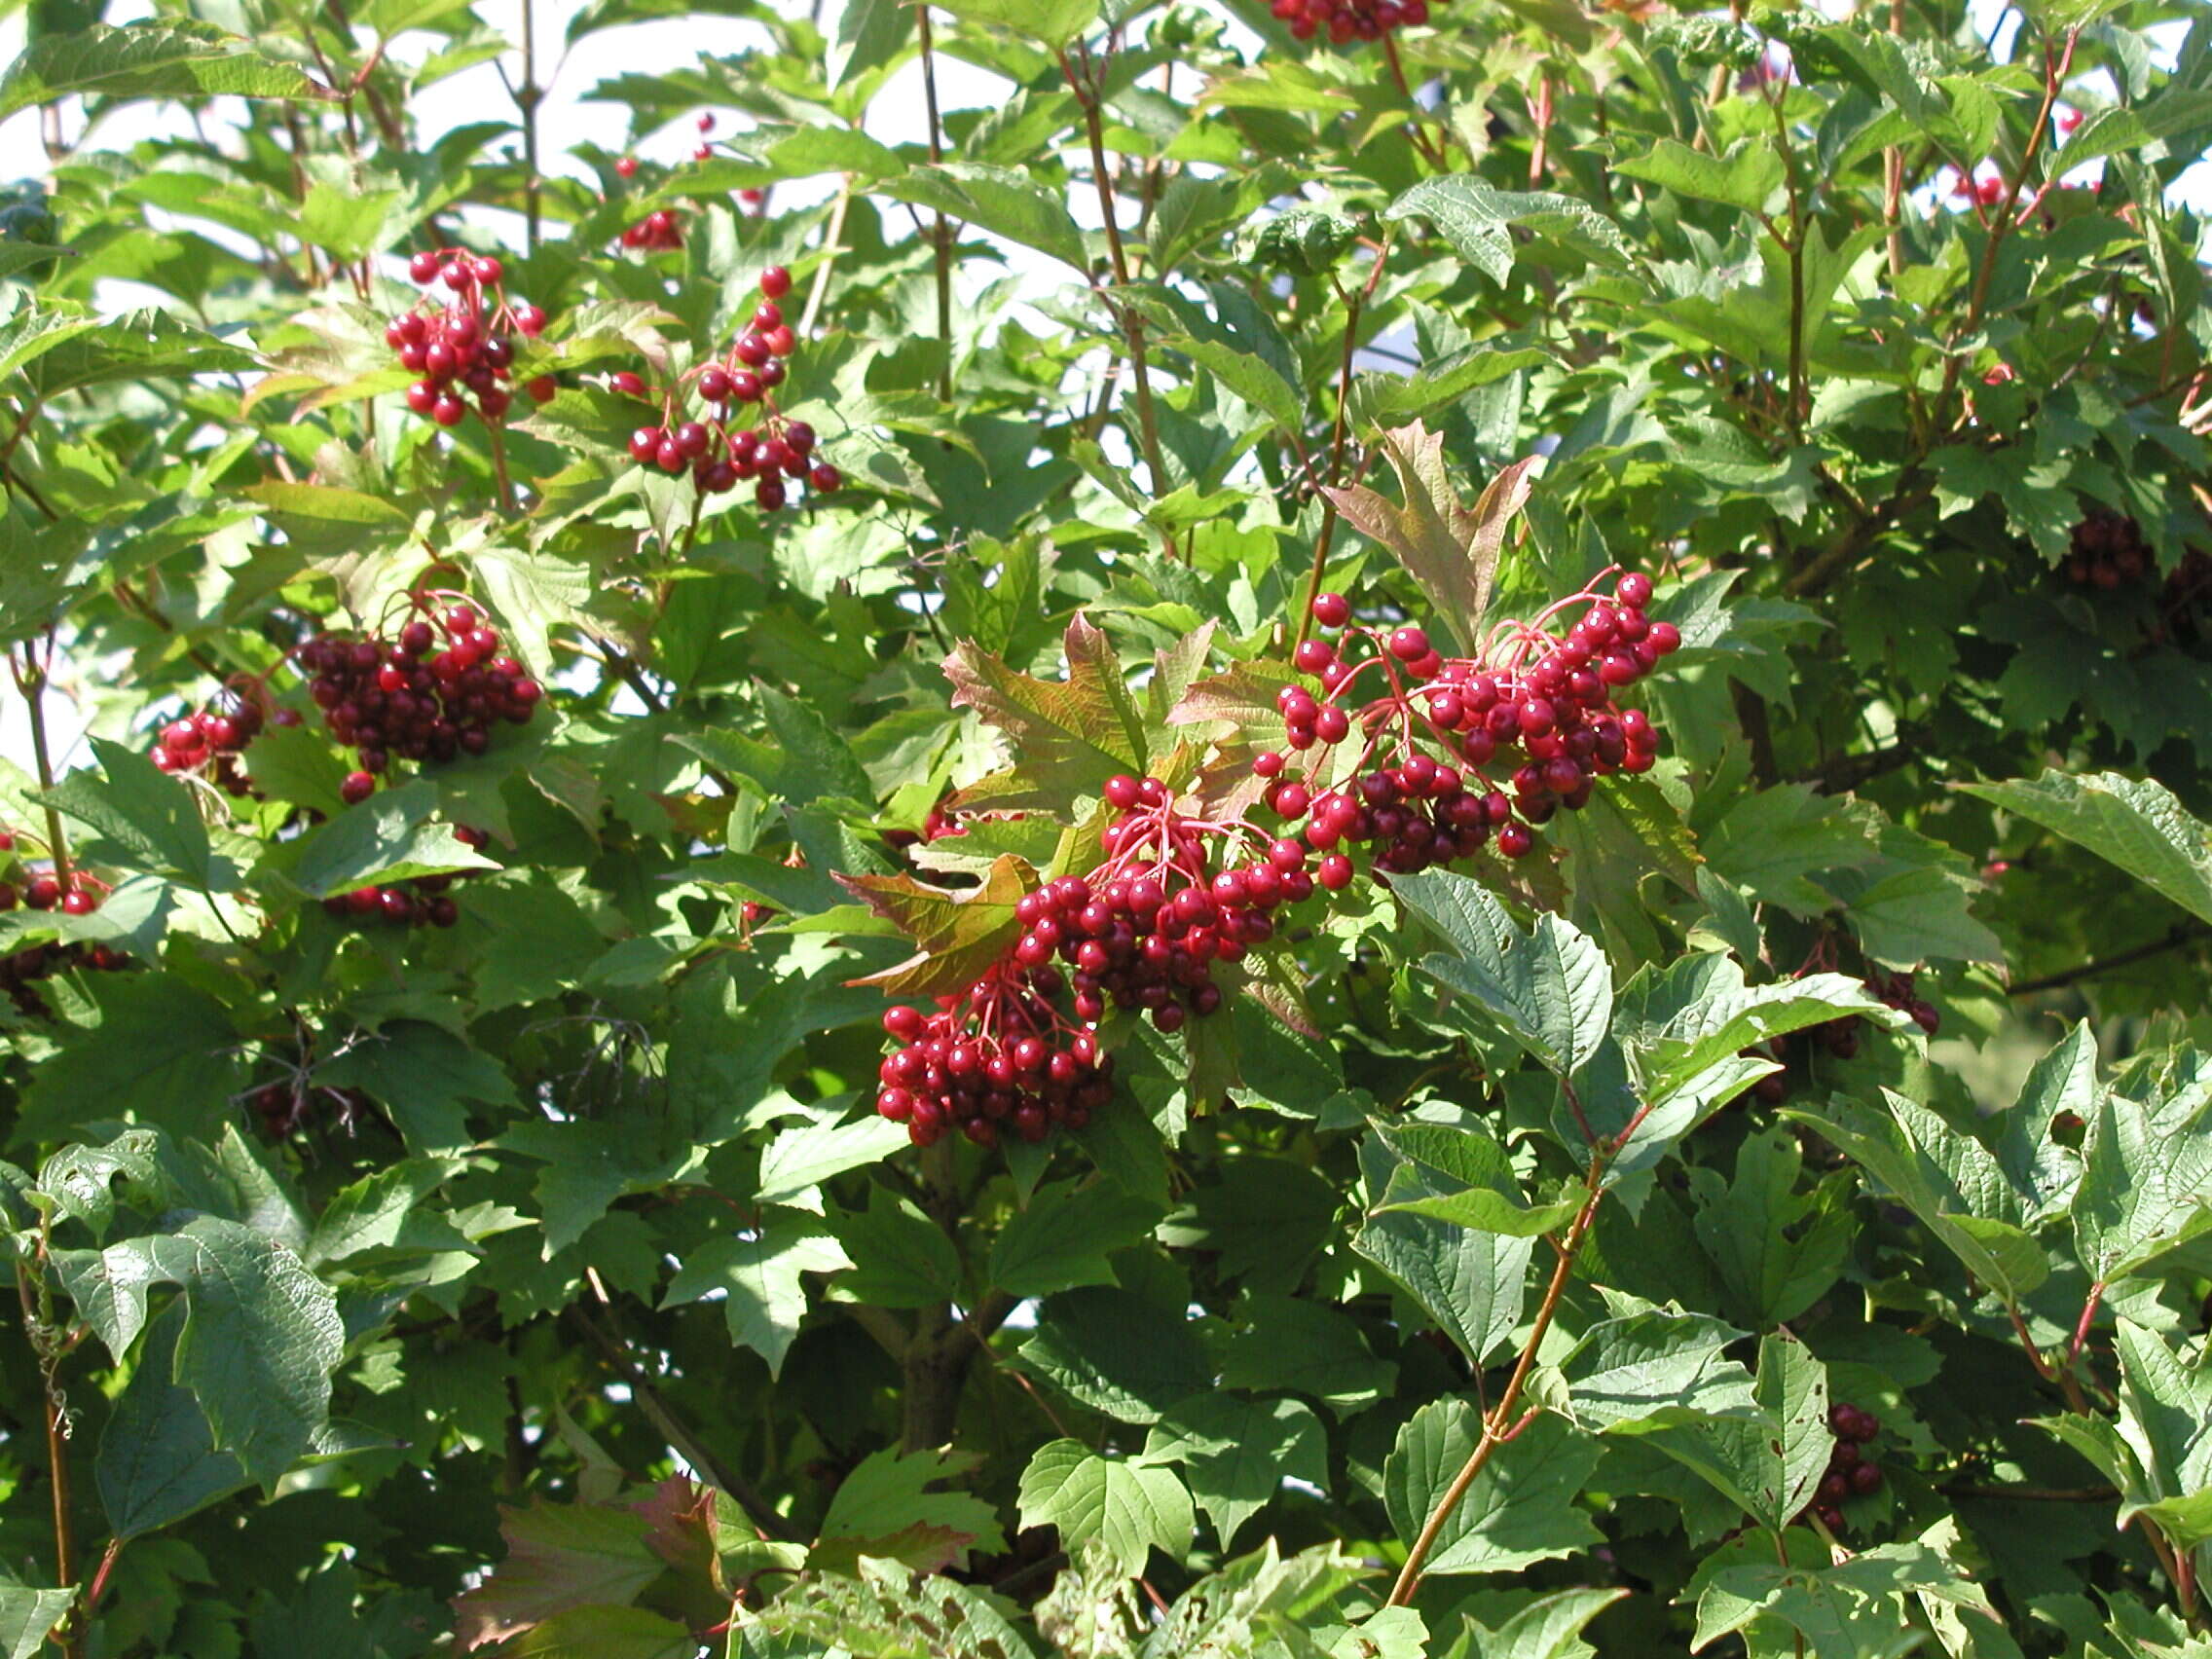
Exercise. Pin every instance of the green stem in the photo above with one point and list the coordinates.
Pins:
(940, 234)
(30, 681)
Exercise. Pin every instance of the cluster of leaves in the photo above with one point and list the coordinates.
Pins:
(545, 1283)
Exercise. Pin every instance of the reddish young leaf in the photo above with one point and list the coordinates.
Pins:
(1068, 736)
(958, 935)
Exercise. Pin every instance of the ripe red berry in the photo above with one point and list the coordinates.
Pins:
(1122, 791)
(424, 268)
(1634, 589)
(627, 384)
(79, 902)
(824, 477)
(1313, 656)
(626, 167)
(356, 787)
(1409, 644)
(775, 281)
(543, 389)
(448, 411)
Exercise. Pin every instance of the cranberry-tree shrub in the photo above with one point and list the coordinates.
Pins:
(1379, 831)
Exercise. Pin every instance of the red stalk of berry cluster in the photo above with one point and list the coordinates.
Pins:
(1177, 892)
(465, 349)
(722, 451)
(1455, 753)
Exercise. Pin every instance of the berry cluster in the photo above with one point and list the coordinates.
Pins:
(80, 896)
(1443, 741)
(465, 349)
(408, 697)
(209, 744)
(999, 1053)
(1348, 20)
(1177, 892)
(2107, 550)
(1850, 1473)
(658, 232)
(428, 904)
(21, 970)
(721, 450)
(1838, 1038)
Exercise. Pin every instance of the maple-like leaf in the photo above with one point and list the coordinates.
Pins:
(1067, 736)
(1237, 710)
(1451, 549)
(957, 936)
(560, 1556)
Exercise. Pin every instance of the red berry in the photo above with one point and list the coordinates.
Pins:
(1330, 609)
(627, 384)
(448, 411)
(356, 787)
(626, 167)
(1409, 644)
(424, 268)
(1634, 590)
(79, 902)
(543, 389)
(775, 281)
(824, 477)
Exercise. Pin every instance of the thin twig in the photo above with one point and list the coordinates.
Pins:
(2179, 935)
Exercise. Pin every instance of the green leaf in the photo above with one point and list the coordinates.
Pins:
(1996, 1251)
(386, 838)
(26, 1617)
(1479, 1187)
(1748, 178)
(378, 1212)
(1655, 1369)
(1117, 1353)
(757, 1275)
(1062, 1237)
(1474, 218)
(2135, 823)
(174, 58)
(802, 760)
(1055, 23)
(884, 1509)
(870, 34)
(803, 1157)
(901, 1258)
(1287, 1342)
(1130, 1509)
(150, 818)
(1777, 1251)
(157, 1462)
(1548, 988)
(999, 199)
(1766, 1461)
(1069, 736)
(155, 1047)
(1237, 1453)
(606, 1632)
(423, 1076)
(1520, 1510)
(560, 1557)
(2143, 1189)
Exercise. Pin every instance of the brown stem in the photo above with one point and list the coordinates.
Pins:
(528, 96)
(2055, 73)
(38, 1328)
(612, 1344)
(1132, 325)
(30, 681)
(2179, 935)
(1494, 1426)
(500, 467)
(940, 235)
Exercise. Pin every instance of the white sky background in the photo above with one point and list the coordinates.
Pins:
(567, 118)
